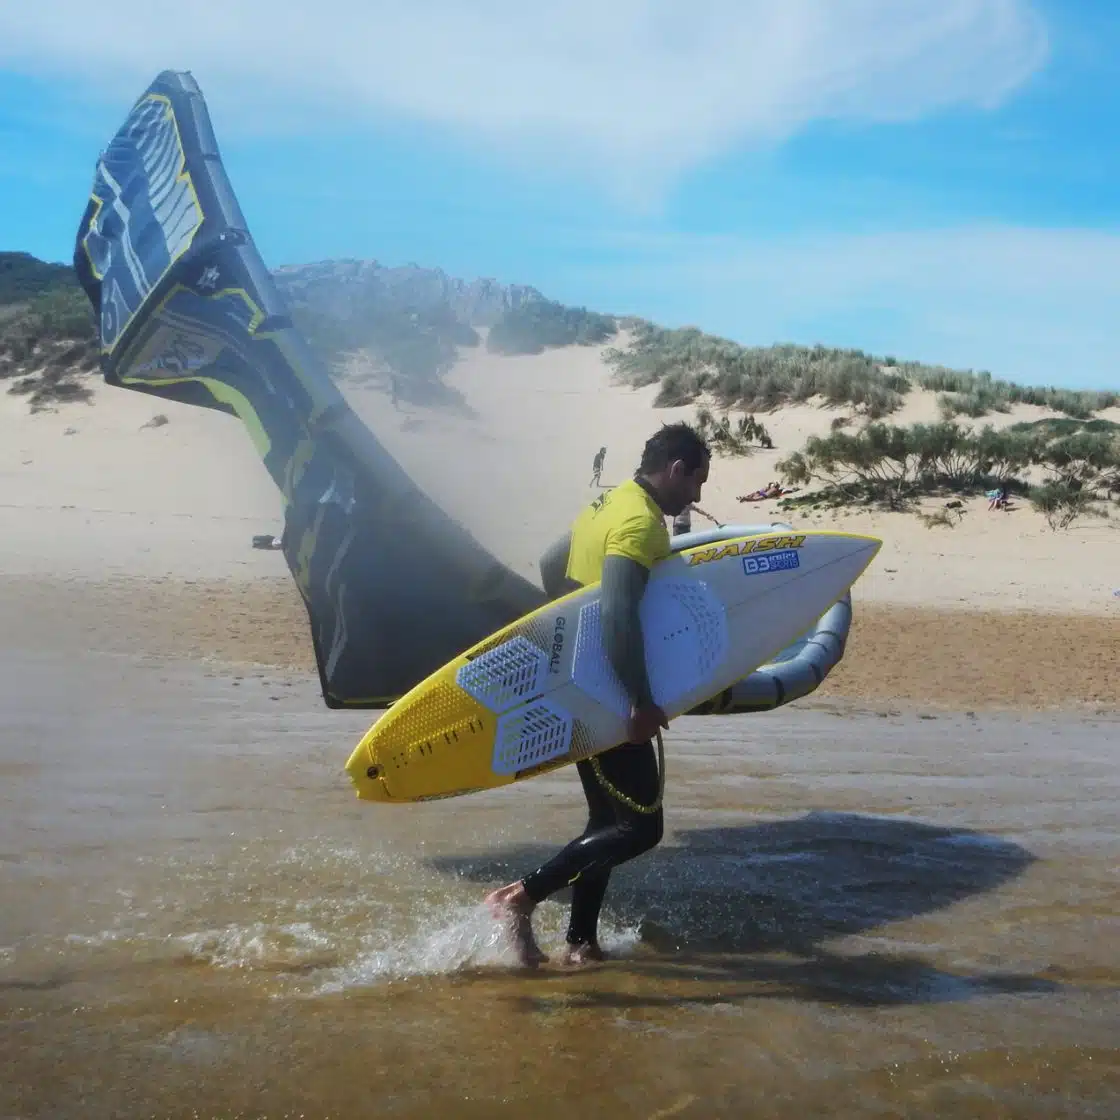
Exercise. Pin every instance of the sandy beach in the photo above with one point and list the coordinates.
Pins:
(898, 897)
(140, 535)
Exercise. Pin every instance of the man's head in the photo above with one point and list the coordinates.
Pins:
(675, 464)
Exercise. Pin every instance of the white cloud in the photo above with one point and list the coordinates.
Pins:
(1035, 305)
(632, 91)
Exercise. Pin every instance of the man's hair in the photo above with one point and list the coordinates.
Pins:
(672, 442)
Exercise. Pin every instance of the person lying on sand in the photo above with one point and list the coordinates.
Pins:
(998, 499)
(616, 539)
(770, 490)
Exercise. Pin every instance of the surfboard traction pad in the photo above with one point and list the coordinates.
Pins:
(686, 638)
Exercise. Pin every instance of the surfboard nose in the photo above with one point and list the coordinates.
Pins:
(851, 558)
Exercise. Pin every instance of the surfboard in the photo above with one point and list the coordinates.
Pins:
(540, 693)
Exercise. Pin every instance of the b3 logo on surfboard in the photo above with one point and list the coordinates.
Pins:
(774, 562)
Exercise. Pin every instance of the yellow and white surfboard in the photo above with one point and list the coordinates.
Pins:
(540, 693)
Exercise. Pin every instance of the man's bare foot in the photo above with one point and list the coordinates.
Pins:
(575, 956)
(512, 906)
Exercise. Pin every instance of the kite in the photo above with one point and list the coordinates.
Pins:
(189, 312)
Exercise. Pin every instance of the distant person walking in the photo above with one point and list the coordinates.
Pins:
(597, 467)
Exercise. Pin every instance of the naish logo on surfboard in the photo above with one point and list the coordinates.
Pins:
(745, 548)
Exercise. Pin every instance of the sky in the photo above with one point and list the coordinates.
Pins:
(937, 180)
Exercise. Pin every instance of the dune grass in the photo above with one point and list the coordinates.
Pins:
(686, 364)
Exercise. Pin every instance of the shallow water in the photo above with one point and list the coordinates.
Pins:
(854, 913)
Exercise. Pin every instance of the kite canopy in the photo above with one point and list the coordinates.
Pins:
(394, 588)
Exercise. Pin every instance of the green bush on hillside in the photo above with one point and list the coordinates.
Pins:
(976, 403)
(24, 277)
(46, 344)
(977, 394)
(686, 363)
(59, 317)
(541, 324)
(1053, 426)
(731, 440)
(1063, 504)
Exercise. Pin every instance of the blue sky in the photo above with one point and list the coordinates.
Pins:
(933, 179)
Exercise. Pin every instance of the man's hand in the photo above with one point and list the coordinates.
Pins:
(644, 722)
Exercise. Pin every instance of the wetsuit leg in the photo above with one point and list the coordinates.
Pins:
(608, 841)
(589, 890)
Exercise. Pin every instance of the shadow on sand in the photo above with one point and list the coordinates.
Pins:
(710, 902)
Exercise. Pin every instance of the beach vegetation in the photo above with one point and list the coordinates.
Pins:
(46, 322)
(732, 439)
(48, 344)
(687, 364)
(538, 325)
(1063, 504)
(893, 467)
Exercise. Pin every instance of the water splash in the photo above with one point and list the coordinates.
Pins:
(457, 939)
(468, 937)
(297, 946)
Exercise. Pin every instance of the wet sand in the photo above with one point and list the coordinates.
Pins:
(855, 913)
(897, 654)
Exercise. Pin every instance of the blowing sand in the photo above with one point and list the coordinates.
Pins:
(126, 535)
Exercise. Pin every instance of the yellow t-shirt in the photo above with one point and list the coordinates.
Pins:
(624, 521)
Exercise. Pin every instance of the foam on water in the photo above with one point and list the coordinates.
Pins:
(95, 940)
(296, 945)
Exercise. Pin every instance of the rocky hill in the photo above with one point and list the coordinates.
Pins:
(409, 325)
(409, 321)
(23, 277)
(340, 289)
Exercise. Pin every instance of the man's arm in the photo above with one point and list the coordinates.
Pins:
(621, 588)
(554, 567)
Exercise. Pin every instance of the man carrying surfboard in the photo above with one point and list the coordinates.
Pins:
(616, 540)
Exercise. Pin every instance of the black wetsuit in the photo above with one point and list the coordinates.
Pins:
(615, 832)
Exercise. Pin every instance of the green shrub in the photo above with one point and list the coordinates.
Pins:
(893, 466)
(1063, 504)
(541, 324)
(763, 378)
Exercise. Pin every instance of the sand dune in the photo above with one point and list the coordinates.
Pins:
(91, 490)
(514, 461)
(94, 493)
